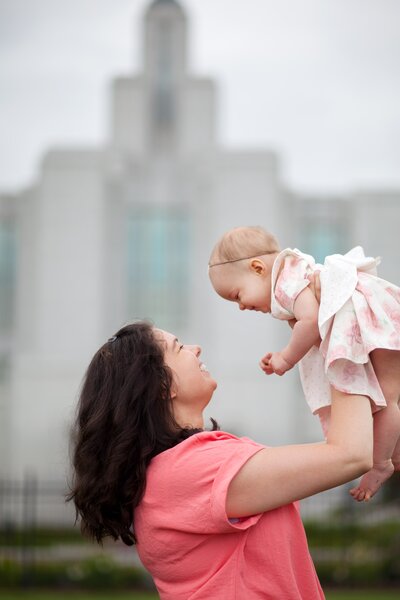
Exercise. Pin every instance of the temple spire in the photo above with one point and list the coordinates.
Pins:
(165, 43)
(165, 68)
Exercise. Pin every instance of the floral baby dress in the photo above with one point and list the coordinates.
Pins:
(358, 313)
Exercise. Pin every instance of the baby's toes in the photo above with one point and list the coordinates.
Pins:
(358, 494)
(368, 495)
(354, 491)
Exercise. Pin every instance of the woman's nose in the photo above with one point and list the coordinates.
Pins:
(195, 349)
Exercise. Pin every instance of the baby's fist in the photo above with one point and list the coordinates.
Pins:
(265, 364)
(278, 364)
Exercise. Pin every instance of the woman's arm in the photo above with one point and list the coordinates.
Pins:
(277, 476)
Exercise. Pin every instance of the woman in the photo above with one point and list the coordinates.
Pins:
(213, 516)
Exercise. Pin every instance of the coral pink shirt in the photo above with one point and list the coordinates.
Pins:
(191, 548)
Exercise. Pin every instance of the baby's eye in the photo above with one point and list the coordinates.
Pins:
(180, 347)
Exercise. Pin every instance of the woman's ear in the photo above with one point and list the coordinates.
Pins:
(257, 266)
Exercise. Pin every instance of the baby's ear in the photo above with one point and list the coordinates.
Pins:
(257, 266)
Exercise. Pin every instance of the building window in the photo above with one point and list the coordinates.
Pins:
(323, 239)
(158, 267)
(7, 276)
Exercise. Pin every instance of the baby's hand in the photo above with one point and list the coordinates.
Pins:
(273, 362)
(264, 364)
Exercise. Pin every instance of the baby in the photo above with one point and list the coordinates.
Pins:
(356, 326)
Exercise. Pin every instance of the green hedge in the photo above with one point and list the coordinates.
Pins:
(43, 537)
(340, 535)
(94, 573)
(344, 554)
(354, 554)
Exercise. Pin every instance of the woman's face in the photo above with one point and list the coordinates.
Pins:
(192, 383)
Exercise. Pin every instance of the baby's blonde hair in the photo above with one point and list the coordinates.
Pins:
(243, 242)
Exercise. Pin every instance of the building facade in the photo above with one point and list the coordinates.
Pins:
(112, 234)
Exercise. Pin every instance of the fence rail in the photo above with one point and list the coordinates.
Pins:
(32, 503)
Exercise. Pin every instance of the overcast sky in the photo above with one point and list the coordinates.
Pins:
(316, 80)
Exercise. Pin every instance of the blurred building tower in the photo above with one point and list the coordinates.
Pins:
(8, 215)
(107, 235)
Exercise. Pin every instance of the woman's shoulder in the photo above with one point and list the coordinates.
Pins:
(211, 438)
(215, 443)
(194, 464)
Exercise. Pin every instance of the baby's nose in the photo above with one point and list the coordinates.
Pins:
(242, 306)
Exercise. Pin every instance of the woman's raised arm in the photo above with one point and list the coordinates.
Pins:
(277, 476)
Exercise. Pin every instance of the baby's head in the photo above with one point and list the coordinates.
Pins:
(240, 267)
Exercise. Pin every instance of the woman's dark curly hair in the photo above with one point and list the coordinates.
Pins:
(124, 419)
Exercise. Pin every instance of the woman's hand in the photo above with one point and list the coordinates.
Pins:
(273, 362)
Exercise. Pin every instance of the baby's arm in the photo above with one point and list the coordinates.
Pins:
(305, 334)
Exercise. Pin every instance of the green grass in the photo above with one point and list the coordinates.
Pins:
(363, 595)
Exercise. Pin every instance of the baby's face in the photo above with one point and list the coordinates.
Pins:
(249, 288)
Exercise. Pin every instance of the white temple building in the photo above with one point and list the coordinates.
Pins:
(110, 234)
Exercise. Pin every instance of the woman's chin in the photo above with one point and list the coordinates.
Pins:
(213, 382)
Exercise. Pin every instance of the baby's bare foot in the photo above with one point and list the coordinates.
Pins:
(372, 481)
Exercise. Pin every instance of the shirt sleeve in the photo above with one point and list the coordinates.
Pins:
(200, 480)
(292, 280)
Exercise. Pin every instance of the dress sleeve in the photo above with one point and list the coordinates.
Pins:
(199, 483)
(292, 279)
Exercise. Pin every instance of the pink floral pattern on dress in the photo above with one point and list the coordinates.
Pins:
(353, 333)
(292, 280)
(370, 319)
(394, 341)
(393, 314)
(349, 373)
(335, 353)
(394, 292)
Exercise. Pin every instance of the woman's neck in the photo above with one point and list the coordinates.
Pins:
(187, 417)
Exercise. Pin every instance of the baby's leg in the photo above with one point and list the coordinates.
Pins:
(386, 424)
(324, 415)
